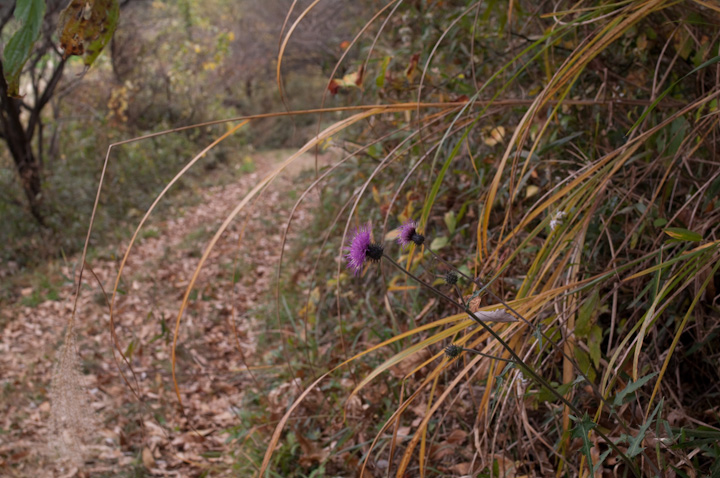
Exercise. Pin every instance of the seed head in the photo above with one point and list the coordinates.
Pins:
(452, 351)
(451, 278)
(557, 220)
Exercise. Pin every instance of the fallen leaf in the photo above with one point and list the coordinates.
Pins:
(412, 67)
(531, 191)
(493, 136)
(147, 458)
(497, 315)
(456, 437)
(409, 364)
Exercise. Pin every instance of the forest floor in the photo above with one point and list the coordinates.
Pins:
(143, 431)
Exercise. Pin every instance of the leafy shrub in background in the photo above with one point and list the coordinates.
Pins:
(170, 64)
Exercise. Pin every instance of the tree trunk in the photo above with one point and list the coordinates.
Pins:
(19, 144)
(29, 171)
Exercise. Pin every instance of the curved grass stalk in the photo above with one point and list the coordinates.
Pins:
(679, 332)
(278, 430)
(521, 364)
(286, 228)
(260, 186)
(584, 55)
(284, 44)
(623, 156)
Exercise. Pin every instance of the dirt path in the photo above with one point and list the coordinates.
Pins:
(150, 436)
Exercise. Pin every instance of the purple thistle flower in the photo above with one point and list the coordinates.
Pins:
(408, 234)
(361, 249)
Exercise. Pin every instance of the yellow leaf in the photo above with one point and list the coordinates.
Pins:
(531, 191)
(493, 136)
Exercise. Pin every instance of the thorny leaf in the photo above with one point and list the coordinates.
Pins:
(582, 430)
(630, 388)
(601, 459)
(86, 26)
(537, 335)
(635, 449)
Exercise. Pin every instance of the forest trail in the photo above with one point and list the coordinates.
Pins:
(152, 437)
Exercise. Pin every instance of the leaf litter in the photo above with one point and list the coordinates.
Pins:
(116, 431)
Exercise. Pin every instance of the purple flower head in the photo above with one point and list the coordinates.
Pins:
(408, 234)
(362, 249)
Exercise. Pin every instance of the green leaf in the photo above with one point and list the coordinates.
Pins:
(683, 234)
(583, 361)
(635, 449)
(582, 430)
(376, 150)
(450, 221)
(594, 342)
(560, 142)
(678, 128)
(537, 335)
(438, 243)
(430, 200)
(380, 80)
(631, 388)
(586, 315)
(85, 28)
(547, 395)
(465, 270)
(17, 51)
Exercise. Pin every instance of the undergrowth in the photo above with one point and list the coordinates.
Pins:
(564, 161)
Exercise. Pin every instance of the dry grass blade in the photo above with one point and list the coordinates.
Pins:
(241, 205)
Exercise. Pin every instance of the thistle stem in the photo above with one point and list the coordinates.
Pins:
(486, 288)
(477, 352)
(516, 358)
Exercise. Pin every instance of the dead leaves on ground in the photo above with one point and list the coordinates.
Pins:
(152, 433)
